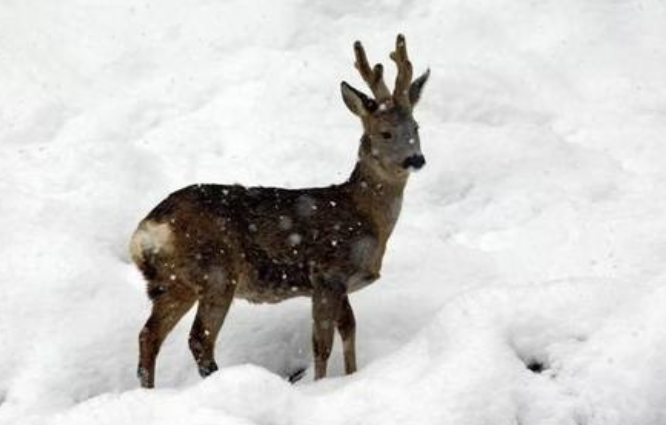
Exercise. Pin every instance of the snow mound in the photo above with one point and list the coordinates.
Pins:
(475, 363)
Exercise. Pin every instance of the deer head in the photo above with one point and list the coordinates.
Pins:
(390, 143)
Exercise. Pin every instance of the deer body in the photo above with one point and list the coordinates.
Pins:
(212, 243)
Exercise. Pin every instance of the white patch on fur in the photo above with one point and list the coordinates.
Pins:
(362, 251)
(395, 208)
(151, 237)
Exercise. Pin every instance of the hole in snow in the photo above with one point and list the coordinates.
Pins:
(541, 347)
(536, 366)
(296, 375)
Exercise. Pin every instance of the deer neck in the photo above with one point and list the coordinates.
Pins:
(377, 195)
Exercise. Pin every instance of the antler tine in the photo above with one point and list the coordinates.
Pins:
(373, 77)
(404, 77)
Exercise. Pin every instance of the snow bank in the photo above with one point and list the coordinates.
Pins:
(535, 236)
(563, 353)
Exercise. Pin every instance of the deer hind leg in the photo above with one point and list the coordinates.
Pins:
(347, 327)
(168, 308)
(327, 301)
(213, 307)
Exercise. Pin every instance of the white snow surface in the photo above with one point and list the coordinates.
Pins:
(535, 235)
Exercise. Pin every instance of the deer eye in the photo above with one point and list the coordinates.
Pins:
(385, 135)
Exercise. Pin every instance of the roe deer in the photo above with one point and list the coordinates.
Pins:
(210, 243)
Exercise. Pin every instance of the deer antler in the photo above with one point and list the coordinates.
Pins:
(404, 77)
(373, 77)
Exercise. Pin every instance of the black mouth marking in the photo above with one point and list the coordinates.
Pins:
(414, 162)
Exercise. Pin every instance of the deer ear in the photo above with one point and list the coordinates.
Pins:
(357, 102)
(416, 87)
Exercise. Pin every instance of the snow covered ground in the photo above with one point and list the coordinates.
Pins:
(534, 238)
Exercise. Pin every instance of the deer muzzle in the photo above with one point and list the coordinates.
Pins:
(415, 162)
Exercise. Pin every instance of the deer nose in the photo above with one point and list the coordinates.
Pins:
(414, 161)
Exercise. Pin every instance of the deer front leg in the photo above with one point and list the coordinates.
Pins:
(213, 307)
(327, 301)
(347, 327)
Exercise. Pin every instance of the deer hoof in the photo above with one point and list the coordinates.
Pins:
(145, 377)
(207, 369)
